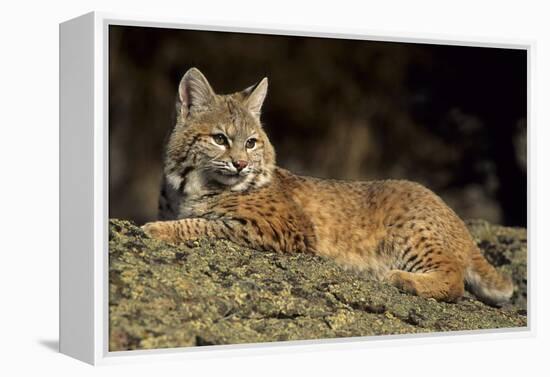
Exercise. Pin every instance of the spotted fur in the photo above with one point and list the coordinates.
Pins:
(392, 230)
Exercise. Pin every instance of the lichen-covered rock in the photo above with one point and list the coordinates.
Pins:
(215, 292)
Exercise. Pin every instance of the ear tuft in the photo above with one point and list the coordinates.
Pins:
(255, 96)
(194, 92)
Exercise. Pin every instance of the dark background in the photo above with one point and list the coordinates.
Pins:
(452, 118)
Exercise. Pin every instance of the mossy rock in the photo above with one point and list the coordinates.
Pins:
(210, 292)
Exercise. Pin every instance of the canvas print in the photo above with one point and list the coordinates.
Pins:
(271, 188)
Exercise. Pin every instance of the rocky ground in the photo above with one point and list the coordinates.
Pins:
(215, 292)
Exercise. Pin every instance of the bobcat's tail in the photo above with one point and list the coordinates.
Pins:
(484, 281)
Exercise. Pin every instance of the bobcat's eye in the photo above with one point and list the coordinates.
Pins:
(220, 139)
(250, 143)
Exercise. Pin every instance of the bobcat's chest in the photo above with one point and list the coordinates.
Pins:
(193, 198)
(191, 209)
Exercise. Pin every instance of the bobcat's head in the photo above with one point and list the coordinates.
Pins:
(219, 138)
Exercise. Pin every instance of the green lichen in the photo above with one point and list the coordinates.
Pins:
(214, 292)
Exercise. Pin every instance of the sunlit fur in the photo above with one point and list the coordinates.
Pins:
(393, 230)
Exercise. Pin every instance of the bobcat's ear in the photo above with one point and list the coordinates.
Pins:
(254, 97)
(194, 92)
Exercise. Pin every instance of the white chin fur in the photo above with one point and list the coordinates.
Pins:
(231, 180)
(243, 184)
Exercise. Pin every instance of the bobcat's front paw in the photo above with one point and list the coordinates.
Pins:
(160, 230)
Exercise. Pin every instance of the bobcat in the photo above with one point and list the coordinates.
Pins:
(220, 180)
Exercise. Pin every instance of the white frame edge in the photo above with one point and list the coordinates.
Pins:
(76, 193)
(84, 213)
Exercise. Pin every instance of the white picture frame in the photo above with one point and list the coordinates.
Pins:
(84, 192)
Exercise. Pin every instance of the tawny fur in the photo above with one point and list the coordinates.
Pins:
(392, 230)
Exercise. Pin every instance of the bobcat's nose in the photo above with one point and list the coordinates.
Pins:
(240, 164)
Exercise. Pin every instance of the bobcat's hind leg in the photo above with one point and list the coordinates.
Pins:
(442, 285)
